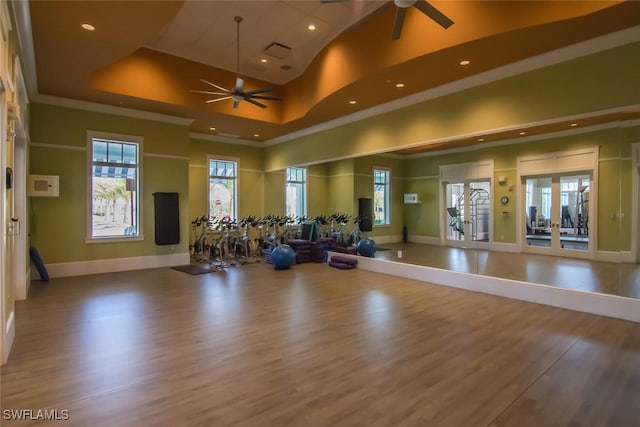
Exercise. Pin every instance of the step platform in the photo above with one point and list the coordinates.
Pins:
(342, 262)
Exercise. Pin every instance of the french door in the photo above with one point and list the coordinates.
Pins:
(468, 212)
(556, 214)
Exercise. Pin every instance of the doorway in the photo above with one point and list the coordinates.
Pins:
(468, 212)
(556, 214)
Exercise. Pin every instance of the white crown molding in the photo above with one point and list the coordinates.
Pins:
(224, 139)
(110, 109)
(588, 47)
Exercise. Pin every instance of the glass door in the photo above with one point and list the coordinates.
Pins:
(556, 213)
(468, 212)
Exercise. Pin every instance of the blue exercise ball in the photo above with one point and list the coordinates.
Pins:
(283, 257)
(367, 247)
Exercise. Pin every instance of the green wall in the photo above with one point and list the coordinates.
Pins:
(318, 195)
(59, 139)
(59, 136)
(590, 83)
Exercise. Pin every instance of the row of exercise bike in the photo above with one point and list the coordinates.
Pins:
(224, 242)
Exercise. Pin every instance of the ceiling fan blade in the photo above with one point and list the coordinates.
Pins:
(273, 98)
(217, 99)
(239, 85)
(257, 91)
(433, 13)
(259, 104)
(398, 22)
(210, 93)
(215, 85)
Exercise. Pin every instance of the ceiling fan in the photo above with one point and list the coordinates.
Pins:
(238, 93)
(424, 7)
(402, 6)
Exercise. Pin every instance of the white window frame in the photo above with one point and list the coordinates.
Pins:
(211, 157)
(130, 139)
(305, 188)
(387, 201)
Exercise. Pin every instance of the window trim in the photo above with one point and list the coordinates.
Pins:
(306, 187)
(388, 198)
(236, 198)
(91, 135)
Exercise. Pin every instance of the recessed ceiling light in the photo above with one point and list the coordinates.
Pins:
(523, 133)
(574, 124)
(88, 27)
(263, 60)
(212, 128)
(480, 139)
(256, 135)
(352, 102)
(465, 62)
(399, 84)
(311, 27)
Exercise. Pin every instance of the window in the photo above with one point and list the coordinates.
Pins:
(114, 210)
(296, 192)
(223, 184)
(381, 206)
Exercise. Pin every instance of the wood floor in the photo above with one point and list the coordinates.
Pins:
(621, 279)
(312, 346)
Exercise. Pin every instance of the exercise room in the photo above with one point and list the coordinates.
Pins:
(320, 213)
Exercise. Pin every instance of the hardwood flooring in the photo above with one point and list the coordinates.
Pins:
(311, 346)
(621, 279)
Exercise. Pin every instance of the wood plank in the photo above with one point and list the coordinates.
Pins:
(312, 346)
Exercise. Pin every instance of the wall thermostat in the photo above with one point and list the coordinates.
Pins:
(504, 200)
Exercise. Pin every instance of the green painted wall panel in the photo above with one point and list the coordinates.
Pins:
(274, 184)
(423, 219)
(197, 190)
(531, 97)
(318, 192)
(58, 225)
(250, 193)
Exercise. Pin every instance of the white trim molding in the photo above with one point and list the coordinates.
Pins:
(100, 266)
(392, 238)
(615, 257)
(109, 109)
(425, 240)
(10, 335)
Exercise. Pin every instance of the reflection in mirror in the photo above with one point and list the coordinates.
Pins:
(557, 212)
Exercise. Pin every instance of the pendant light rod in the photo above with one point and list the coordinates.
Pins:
(238, 20)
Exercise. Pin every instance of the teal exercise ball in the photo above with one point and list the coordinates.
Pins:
(283, 257)
(367, 247)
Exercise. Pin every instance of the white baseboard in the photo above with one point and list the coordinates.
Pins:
(387, 239)
(22, 290)
(505, 247)
(611, 256)
(10, 334)
(425, 240)
(577, 300)
(81, 268)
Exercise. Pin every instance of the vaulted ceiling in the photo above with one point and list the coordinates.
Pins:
(150, 55)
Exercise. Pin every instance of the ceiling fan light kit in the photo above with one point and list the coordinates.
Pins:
(238, 94)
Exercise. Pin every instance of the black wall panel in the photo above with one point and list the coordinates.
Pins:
(365, 210)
